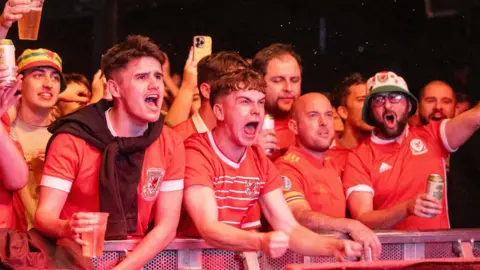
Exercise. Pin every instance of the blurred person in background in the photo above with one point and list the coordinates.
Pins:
(437, 102)
(210, 69)
(349, 97)
(281, 68)
(76, 95)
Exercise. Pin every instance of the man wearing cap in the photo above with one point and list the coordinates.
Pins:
(385, 178)
(42, 83)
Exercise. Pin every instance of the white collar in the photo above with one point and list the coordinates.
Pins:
(378, 140)
(222, 156)
(110, 127)
(200, 126)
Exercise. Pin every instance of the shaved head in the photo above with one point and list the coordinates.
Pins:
(301, 103)
(437, 102)
(312, 122)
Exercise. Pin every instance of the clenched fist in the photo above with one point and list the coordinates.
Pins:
(275, 244)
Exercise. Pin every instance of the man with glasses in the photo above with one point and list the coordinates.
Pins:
(385, 178)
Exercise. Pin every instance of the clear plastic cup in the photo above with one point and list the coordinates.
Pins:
(29, 24)
(96, 237)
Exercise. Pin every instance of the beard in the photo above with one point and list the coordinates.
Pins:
(395, 132)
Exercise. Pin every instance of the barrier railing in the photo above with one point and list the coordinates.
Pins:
(396, 245)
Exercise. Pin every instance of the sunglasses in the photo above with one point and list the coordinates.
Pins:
(379, 99)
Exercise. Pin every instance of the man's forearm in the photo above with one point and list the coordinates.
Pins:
(316, 221)
(49, 225)
(308, 243)
(152, 244)
(181, 107)
(459, 129)
(224, 236)
(385, 218)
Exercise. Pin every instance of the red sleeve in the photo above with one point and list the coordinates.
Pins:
(62, 162)
(293, 182)
(436, 131)
(356, 176)
(175, 172)
(198, 167)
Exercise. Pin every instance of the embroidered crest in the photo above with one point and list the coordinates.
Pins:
(152, 186)
(382, 77)
(252, 187)
(418, 147)
(287, 184)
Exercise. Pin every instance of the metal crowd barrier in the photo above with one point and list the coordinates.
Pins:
(396, 245)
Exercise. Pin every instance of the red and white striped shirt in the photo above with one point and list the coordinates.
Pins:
(237, 186)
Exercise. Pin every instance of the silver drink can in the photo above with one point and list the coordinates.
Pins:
(435, 186)
(268, 123)
(7, 59)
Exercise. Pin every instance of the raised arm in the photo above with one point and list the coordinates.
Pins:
(180, 109)
(460, 128)
(13, 169)
(12, 12)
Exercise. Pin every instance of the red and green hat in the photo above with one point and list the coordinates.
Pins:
(40, 58)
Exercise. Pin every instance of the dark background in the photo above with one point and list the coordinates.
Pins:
(365, 36)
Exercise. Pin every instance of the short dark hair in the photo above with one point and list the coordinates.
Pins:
(342, 90)
(263, 57)
(240, 80)
(77, 78)
(212, 67)
(132, 47)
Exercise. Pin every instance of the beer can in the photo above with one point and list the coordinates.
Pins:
(7, 59)
(435, 185)
(268, 123)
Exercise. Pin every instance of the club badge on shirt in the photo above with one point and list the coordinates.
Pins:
(418, 147)
(287, 184)
(252, 187)
(152, 186)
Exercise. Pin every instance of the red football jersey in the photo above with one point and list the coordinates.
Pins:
(396, 172)
(338, 154)
(73, 166)
(192, 125)
(308, 179)
(285, 138)
(237, 186)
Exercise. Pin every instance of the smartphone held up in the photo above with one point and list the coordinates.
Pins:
(202, 46)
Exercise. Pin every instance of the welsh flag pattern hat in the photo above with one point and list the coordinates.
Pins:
(40, 58)
(386, 82)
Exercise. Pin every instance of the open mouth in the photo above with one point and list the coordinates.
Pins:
(251, 128)
(390, 119)
(437, 117)
(152, 101)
